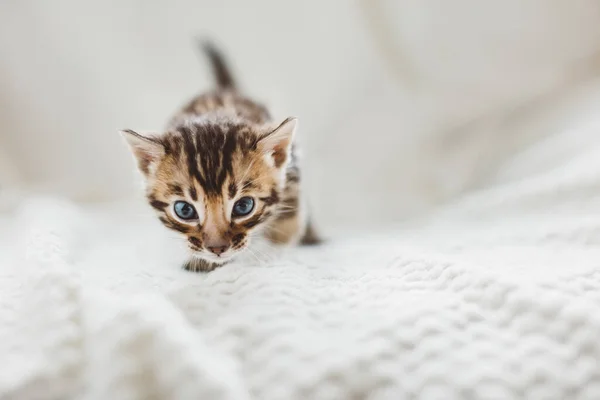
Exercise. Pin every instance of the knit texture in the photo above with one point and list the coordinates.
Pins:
(496, 296)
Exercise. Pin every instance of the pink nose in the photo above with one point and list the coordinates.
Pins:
(218, 250)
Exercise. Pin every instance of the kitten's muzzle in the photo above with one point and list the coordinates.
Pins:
(216, 244)
(218, 250)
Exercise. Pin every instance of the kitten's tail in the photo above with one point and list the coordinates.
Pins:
(220, 70)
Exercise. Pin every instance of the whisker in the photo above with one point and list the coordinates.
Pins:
(251, 252)
(265, 256)
(269, 245)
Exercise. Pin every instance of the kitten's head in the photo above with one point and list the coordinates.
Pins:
(215, 182)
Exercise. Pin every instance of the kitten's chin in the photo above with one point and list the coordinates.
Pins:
(211, 258)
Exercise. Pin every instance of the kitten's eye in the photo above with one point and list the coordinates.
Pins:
(185, 210)
(243, 206)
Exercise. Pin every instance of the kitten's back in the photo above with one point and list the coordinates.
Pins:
(225, 99)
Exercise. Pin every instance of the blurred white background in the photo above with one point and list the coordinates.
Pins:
(391, 95)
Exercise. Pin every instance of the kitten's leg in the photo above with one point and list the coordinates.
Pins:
(292, 224)
(199, 265)
(292, 229)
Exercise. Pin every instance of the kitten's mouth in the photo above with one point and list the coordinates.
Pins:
(220, 259)
(206, 262)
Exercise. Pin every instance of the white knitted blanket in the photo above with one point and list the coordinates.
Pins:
(495, 297)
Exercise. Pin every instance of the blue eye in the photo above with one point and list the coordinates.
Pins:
(185, 210)
(243, 206)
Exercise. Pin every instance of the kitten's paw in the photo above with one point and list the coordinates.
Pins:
(200, 265)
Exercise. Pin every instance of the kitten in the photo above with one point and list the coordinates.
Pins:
(222, 171)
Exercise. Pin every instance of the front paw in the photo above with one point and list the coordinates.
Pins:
(200, 265)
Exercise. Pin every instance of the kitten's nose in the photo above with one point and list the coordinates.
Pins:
(215, 241)
(218, 250)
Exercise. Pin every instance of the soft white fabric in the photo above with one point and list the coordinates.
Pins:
(496, 296)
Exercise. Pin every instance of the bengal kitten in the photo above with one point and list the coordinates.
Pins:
(222, 171)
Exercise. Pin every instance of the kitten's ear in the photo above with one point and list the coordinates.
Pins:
(278, 141)
(147, 149)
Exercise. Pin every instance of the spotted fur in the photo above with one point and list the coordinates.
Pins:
(220, 147)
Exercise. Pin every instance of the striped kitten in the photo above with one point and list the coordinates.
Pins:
(222, 171)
